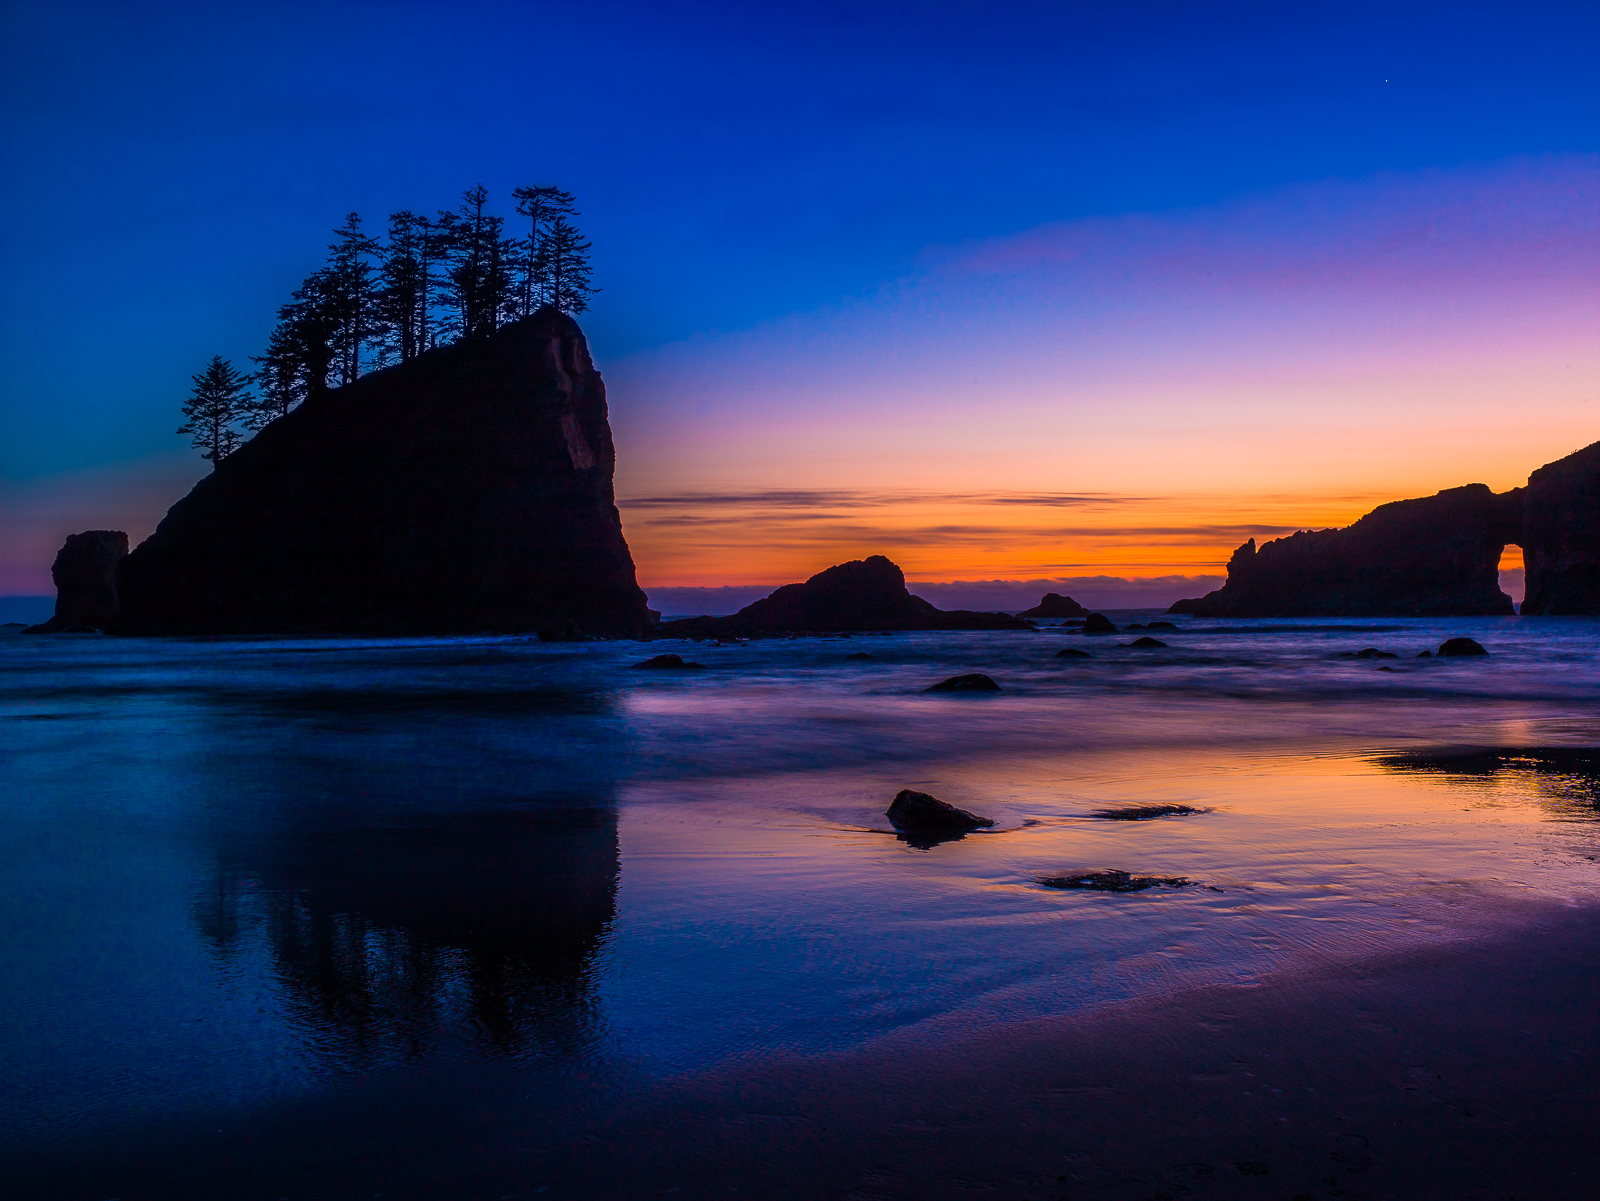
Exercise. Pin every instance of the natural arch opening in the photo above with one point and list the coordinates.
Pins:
(1512, 581)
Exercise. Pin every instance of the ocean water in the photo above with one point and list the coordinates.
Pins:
(245, 876)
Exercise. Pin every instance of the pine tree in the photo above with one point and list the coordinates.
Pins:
(562, 266)
(280, 375)
(401, 299)
(349, 283)
(539, 206)
(480, 266)
(218, 399)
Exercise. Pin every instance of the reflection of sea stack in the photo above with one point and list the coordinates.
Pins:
(381, 929)
(466, 490)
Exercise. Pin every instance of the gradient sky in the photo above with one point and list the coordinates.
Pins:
(1004, 291)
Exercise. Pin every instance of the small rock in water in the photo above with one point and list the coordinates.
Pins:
(1138, 625)
(1160, 625)
(1461, 646)
(1370, 652)
(911, 810)
(1147, 641)
(1114, 881)
(669, 663)
(1424, 654)
(1144, 813)
(859, 655)
(1073, 653)
(1098, 623)
(974, 681)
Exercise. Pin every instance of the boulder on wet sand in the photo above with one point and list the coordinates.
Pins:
(1098, 623)
(1114, 881)
(1461, 646)
(1073, 653)
(911, 810)
(974, 681)
(1147, 642)
(85, 575)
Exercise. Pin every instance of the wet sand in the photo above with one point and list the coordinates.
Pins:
(1466, 1070)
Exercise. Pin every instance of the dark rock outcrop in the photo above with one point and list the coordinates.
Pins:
(973, 681)
(1434, 557)
(1561, 536)
(1054, 604)
(1461, 646)
(85, 575)
(1114, 881)
(466, 490)
(1145, 813)
(1148, 643)
(1098, 623)
(668, 663)
(865, 594)
(911, 810)
(1073, 653)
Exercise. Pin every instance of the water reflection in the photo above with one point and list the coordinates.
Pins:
(383, 851)
(1567, 779)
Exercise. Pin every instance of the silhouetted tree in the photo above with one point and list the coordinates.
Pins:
(349, 285)
(539, 206)
(401, 299)
(562, 265)
(218, 400)
(480, 262)
(280, 376)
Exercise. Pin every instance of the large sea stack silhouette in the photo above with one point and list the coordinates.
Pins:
(1438, 556)
(863, 594)
(467, 490)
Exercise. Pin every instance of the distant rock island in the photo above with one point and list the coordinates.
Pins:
(1053, 604)
(866, 594)
(1438, 556)
(466, 490)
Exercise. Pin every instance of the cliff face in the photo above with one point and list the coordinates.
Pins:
(85, 576)
(1434, 557)
(467, 490)
(864, 594)
(1561, 544)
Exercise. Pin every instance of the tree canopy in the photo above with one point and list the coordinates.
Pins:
(427, 282)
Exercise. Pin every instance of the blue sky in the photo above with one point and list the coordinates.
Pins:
(172, 170)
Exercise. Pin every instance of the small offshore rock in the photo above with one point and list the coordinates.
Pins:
(1072, 652)
(1424, 654)
(1461, 646)
(1147, 641)
(668, 663)
(911, 810)
(859, 655)
(1098, 623)
(1114, 881)
(1160, 625)
(974, 681)
(1370, 652)
(1144, 813)
(1138, 625)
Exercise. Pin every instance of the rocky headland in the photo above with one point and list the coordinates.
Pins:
(1437, 556)
(865, 595)
(466, 490)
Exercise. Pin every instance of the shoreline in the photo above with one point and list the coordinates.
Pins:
(1468, 1069)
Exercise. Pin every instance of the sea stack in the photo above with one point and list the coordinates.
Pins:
(85, 576)
(467, 490)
